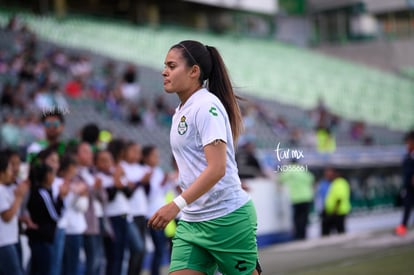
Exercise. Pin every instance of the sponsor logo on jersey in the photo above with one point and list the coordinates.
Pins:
(213, 111)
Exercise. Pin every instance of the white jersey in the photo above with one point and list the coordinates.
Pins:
(8, 230)
(138, 202)
(202, 120)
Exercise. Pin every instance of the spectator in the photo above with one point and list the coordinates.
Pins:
(43, 100)
(326, 142)
(164, 111)
(299, 183)
(116, 209)
(138, 179)
(17, 178)
(408, 183)
(10, 133)
(149, 117)
(93, 236)
(247, 162)
(135, 116)
(74, 88)
(322, 189)
(7, 97)
(357, 130)
(337, 203)
(76, 204)
(59, 101)
(15, 162)
(60, 189)
(280, 124)
(295, 137)
(34, 127)
(130, 88)
(53, 123)
(80, 67)
(10, 201)
(156, 198)
(45, 213)
(90, 135)
(113, 103)
(60, 60)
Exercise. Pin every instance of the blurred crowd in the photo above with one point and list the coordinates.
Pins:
(35, 79)
(75, 196)
(86, 195)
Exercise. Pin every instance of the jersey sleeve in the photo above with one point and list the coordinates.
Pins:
(211, 123)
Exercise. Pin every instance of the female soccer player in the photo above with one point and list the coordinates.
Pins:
(218, 224)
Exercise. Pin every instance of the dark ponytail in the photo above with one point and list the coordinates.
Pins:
(219, 84)
(213, 69)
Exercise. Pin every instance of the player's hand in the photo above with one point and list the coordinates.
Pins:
(163, 216)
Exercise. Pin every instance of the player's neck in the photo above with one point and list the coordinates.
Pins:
(185, 96)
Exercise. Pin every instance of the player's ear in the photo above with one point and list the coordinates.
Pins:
(195, 71)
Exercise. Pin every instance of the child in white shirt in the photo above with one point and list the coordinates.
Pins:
(10, 201)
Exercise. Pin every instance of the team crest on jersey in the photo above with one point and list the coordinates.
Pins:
(182, 126)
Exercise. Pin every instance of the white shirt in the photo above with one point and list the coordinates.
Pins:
(72, 218)
(200, 121)
(9, 231)
(138, 202)
(156, 197)
(57, 183)
(74, 214)
(89, 179)
(120, 204)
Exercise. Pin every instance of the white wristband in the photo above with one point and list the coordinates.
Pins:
(180, 202)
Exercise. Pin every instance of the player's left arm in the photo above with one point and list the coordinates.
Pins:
(215, 153)
(216, 168)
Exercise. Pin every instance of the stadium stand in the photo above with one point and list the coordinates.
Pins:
(300, 77)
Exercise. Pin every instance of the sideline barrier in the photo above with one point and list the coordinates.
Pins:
(273, 211)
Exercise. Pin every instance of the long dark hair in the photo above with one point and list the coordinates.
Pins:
(213, 69)
(38, 174)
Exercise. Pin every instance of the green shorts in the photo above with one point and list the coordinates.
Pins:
(227, 243)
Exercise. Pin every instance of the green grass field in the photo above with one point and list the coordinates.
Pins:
(396, 260)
